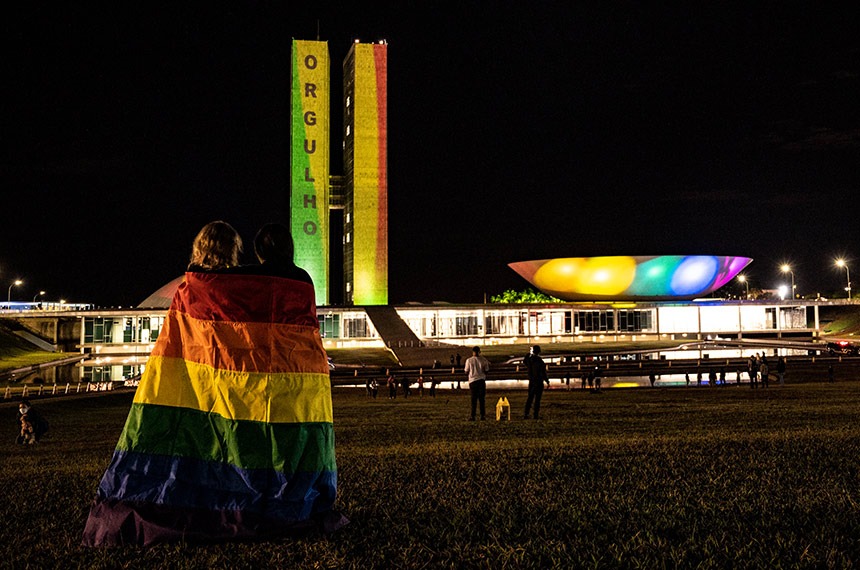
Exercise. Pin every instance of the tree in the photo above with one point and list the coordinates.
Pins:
(527, 296)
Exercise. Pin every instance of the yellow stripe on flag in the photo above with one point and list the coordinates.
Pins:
(292, 397)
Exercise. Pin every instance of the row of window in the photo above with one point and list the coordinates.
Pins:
(451, 323)
(115, 330)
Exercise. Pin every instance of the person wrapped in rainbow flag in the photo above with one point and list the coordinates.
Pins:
(230, 434)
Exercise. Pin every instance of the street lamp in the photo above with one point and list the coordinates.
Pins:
(9, 294)
(743, 279)
(841, 263)
(39, 294)
(786, 268)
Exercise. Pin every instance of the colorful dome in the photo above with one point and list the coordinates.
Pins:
(631, 278)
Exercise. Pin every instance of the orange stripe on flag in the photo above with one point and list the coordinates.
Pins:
(242, 347)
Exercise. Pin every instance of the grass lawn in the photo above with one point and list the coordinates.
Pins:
(642, 478)
(17, 353)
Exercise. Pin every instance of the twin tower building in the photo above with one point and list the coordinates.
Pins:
(362, 191)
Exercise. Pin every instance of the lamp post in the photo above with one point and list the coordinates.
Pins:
(786, 268)
(841, 263)
(743, 279)
(39, 294)
(9, 293)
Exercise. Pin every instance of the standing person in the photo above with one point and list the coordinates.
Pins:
(392, 387)
(374, 388)
(764, 370)
(752, 370)
(37, 424)
(780, 370)
(433, 387)
(476, 374)
(235, 395)
(458, 359)
(537, 377)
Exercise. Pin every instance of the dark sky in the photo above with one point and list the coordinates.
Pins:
(544, 130)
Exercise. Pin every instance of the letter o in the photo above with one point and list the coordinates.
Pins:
(310, 228)
(311, 61)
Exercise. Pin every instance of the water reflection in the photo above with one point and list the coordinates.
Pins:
(80, 372)
(105, 371)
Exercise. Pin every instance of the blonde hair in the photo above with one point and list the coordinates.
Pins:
(217, 246)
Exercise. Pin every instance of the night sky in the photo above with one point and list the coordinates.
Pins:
(544, 130)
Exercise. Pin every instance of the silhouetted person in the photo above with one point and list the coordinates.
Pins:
(752, 370)
(780, 370)
(537, 377)
(215, 249)
(764, 370)
(273, 246)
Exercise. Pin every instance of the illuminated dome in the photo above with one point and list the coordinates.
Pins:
(626, 278)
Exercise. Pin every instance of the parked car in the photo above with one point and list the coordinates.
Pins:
(843, 347)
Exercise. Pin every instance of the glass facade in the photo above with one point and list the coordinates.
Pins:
(134, 334)
(122, 329)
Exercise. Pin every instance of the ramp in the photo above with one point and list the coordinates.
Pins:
(403, 342)
(33, 339)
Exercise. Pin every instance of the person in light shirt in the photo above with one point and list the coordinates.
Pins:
(476, 374)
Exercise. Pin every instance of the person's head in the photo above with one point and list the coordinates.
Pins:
(24, 406)
(476, 350)
(217, 246)
(274, 243)
(536, 349)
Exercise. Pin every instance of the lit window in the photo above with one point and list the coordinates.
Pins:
(347, 130)
(348, 237)
(348, 100)
(348, 214)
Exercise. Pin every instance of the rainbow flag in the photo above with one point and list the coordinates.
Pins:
(230, 433)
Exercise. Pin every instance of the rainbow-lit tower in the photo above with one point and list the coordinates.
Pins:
(310, 163)
(365, 163)
(364, 197)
